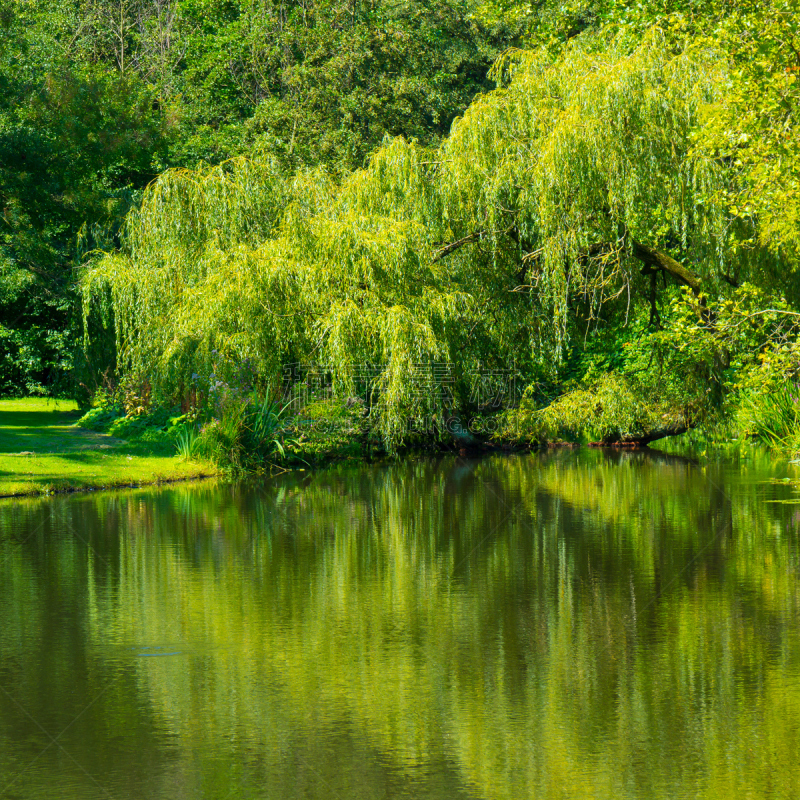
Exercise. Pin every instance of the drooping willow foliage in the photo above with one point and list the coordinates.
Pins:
(468, 256)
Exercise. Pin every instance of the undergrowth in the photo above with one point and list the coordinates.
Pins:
(241, 435)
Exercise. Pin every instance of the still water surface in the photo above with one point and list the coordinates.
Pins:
(565, 625)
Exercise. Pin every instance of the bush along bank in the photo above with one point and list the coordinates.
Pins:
(242, 427)
(241, 433)
(710, 372)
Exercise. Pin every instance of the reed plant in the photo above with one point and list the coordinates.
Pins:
(773, 417)
(265, 426)
(186, 441)
(246, 435)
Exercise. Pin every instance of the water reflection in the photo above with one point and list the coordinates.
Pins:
(565, 625)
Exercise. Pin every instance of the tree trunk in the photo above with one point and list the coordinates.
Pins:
(675, 428)
(655, 261)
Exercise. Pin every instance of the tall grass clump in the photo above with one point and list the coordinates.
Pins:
(245, 435)
(186, 441)
(773, 417)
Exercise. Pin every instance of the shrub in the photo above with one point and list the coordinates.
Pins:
(246, 435)
(611, 408)
(102, 417)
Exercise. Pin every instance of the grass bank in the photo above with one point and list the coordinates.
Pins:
(42, 451)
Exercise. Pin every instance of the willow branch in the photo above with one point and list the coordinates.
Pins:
(451, 247)
(444, 251)
(675, 428)
(656, 261)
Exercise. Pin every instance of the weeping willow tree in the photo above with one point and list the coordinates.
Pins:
(576, 181)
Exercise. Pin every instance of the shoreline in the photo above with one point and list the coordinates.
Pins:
(65, 490)
(43, 452)
(504, 448)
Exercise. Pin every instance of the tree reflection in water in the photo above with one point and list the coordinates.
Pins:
(570, 624)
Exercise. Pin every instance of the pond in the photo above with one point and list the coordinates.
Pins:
(568, 624)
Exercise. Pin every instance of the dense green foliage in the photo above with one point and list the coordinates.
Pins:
(626, 151)
(75, 138)
(98, 97)
(552, 205)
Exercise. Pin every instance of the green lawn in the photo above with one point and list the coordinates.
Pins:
(42, 451)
